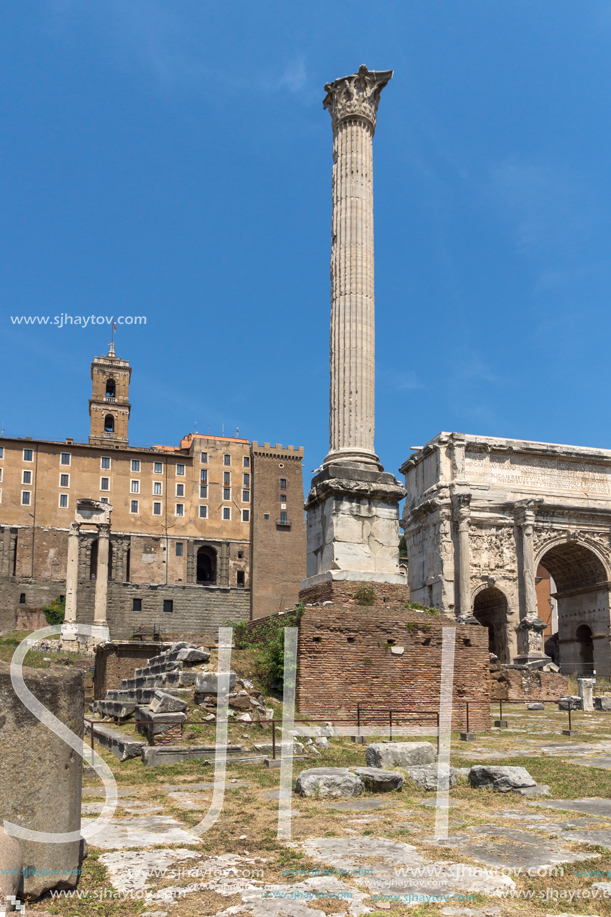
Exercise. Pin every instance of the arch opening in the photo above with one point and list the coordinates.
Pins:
(109, 424)
(206, 566)
(490, 609)
(581, 591)
(110, 388)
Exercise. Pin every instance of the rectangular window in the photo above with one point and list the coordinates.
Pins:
(1, 451)
(103, 499)
(240, 578)
(283, 519)
(180, 509)
(135, 465)
(156, 509)
(65, 458)
(282, 483)
(227, 477)
(25, 497)
(104, 483)
(246, 480)
(135, 487)
(63, 500)
(105, 461)
(245, 496)
(179, 549)
(203, 512)
(226, 460)
(134, 506)
(266, 515)
(64, 480)
(27, 477)
(203, 492)
(245, 515)
(246, 462)
(158, 468)
(168, 606)
(180, 469)
(136, 604)
(226, 512)
(27, 455)
(157, 489)
(204, 458)
(180, 490)
(226, 493)
(204, 476)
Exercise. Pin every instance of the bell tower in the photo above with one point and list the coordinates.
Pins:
(109, 406)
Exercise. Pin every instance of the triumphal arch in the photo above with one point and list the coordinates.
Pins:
(483, 516)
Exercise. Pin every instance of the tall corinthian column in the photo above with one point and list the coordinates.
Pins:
(353, 103)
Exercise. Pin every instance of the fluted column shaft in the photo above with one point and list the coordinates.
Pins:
(352, 391)
(101, 581)
(353, 102)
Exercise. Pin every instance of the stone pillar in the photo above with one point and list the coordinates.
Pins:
(462, 512)
(353, 102)
(531, 627)
(69, 631)
(585, 686)
(101, 580)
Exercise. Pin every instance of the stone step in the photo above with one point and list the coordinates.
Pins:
(122, 746)
(120, 710)
(152, 724)
(176, 754)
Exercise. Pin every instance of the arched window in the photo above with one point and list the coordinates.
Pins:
(583, 636)
(206, 566)
(110, 388)
(109, 424)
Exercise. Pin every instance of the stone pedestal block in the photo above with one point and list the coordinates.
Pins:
(353, 526)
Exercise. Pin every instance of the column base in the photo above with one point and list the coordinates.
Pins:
(353, 526)
(356, 458)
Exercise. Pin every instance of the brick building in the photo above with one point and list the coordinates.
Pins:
(204, 532)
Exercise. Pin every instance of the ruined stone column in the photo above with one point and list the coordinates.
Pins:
(463, 518)
(353, 103)
(101, 581)
(69, 632)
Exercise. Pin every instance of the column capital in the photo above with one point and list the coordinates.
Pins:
(525, 513)
(462, 509)
(104, 530)
(356, 96)
(74, 528)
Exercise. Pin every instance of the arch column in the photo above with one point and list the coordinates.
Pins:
(531, 627)
(462, 514)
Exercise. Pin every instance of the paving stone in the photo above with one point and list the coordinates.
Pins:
(591, 806)
(367, 803)
(399, 754)
(147, 831)
(541, 789)
(328, 781)
(602, 763)
(189, 800)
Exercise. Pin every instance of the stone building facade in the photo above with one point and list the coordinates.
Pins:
(484, 515)
(200, 533)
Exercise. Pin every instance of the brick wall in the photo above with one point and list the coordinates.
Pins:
(115, 661)
(343, 592)
(278, 551)
(345, 659)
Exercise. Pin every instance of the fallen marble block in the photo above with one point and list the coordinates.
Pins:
(379, 781)
(426, 777)
(535, 706)
(399, 754)
(530, 791)
(602, 703)
(208, 682)
(167, 703)
(328, 781)
(501, 779)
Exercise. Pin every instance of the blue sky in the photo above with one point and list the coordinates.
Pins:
(173, 160)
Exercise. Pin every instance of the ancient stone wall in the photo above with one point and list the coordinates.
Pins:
(526, 685)
(115, 661)
(344, 592)
(346, 657)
